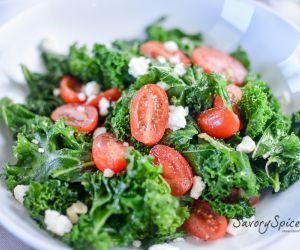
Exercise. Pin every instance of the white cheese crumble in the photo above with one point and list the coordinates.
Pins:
(179, 69)
(177, 116)
(35, 141)
(136, 243)
(76, 209)
(56, 92)
(90, 98)
(104, 105)
(175, 59)
(235, 227)
(198, 187)
(108, 173)
(163, 247)
(138, 66)
(41, 150)
(19, 192)
(171, 46)
(92, 89)
(57, 223)
(81, 96)
(81, 109)
(99, 131)
(247, 145)
(161, 59)
(163, 85)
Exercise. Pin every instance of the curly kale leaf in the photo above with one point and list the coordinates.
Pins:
(242, 56)
(222, 168)
(186, 42)
(295, 128)
(135, 204)
(51, 194)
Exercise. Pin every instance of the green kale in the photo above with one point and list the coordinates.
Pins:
(222, 168)
(51, 194)
(135, 204)
(296, 123)
(186, 42)
(41, 99)
(242, 56)
(130, 46)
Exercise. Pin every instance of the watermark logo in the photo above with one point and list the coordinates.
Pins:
(282, 225)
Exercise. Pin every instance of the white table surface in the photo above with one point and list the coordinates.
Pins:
(10, 8)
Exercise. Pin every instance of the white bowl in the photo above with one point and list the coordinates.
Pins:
(272, 43)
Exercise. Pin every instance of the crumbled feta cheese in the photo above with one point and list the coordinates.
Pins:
(92, 89)
(136, 243)
(126, 144)
(198, 187)
(171, 46)
(163, 85)
(35, 141)
(81, 109)
(81, 96)
(99, 131)
(138, 66)
(90, 98)
(19, 192)
(108, 173)
(56, 92)
(76, 209)
(247, 145)
(161, 59)
(177, 116)
(163, 247)
(175, 59)
(179, 239)
(57, 223)
(235, 227)
(41, 150)
(103, 106)
(179, 69)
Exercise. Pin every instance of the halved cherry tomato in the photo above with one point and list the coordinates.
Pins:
(108, 152)
(154, 49)
(70, 87)
(219, 122)
(112, 95)
(176, 170)
(254, 200)
(84, 118)
(149, 114)
(213, 60)
(204, 223)
(234, 92)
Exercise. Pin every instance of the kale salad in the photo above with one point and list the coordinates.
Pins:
(143, 142)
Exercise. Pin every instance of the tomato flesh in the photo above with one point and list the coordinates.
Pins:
(213, 60)
(234, 92)
(154, 49)
(108, 152)
(204, 223)
(219, 122)
(70, 87)
(176, 170)
(84, 118)
(149, 114)
(111, 95)
(254, 200)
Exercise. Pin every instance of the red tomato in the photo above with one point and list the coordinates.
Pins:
(234, 92)
(176, 170)
(149, 114)
(154, 49)
(69, 89)
(212, 60)
(204, 223)
(232, 198)
(219, 122)
(254, 200)
(112, 95)
(84, 118)
(108, 152)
